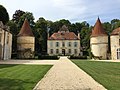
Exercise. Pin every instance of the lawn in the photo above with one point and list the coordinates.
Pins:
(21, 77)
(106, 73)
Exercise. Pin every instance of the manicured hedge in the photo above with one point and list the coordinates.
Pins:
(78, 57)
(48, 57)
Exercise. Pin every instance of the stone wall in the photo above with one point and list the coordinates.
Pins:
(99, 46)
(51, 44)
(26, 46)
(114, 46)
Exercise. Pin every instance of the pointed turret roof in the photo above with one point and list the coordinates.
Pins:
(98, 29)
(25, 30)
(116, 31)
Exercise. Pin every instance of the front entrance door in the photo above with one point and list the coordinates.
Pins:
(63, 52)
(118, 53)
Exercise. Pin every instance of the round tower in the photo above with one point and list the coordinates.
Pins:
(99, 41)
(115, 44)
(25, 41)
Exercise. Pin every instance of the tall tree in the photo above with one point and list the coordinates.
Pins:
(29, 16)
(4, 17)
(41, 35)
(17, 15)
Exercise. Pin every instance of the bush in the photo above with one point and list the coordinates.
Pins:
(78, 57)
(47, 57)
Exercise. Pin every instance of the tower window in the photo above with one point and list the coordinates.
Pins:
(51, 51)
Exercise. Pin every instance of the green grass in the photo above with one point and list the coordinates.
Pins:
(21, 77)
(106, 73)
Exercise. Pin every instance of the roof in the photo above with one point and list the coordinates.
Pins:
(116, 31)
(25, 30)
(63, 34)
(98, 29)
(64, 28)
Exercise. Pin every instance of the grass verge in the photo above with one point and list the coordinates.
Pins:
(106, 73)
(21, 77)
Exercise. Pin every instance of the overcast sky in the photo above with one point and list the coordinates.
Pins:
(73, 10)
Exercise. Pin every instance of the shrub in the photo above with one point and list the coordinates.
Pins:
(78, 57)
(47, 57)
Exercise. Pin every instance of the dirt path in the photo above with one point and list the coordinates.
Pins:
(65, 75)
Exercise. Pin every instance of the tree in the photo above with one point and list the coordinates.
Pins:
(17, 15)
(29, 16)
(41, 35)
(4, 17)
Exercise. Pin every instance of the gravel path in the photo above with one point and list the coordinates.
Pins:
(65, 75)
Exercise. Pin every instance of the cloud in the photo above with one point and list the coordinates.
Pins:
(73, 10)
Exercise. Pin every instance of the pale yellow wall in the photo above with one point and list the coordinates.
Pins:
(7, 47)
(53, 46)
(25, 42)
(114, 46)
(99, 46)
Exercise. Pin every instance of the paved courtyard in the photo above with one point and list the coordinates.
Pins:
(65, 75)
(39, 62)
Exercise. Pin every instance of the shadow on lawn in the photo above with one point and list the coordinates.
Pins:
(7, 65)
(14, 84)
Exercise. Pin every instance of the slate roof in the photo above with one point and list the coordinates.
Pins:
(26, 29)
(116, 31)
(98, 29)
(63, 34)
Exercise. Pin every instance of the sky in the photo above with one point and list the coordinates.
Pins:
(72, 10)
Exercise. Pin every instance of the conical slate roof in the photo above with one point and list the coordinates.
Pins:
(25, 30)
(116, 31)
(98, 29)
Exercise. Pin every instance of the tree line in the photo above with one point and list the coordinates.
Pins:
(42, 27)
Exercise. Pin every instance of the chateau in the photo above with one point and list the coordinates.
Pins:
(63, 43)
(5, 42)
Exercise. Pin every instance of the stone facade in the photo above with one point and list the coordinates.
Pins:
(115, 44)
(63, 43)
(99, 46)
(25, 42)
(5, 42)
(63, 47)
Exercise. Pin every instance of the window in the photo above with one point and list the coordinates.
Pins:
(118, 53)
(51, 51)
(8, 39)
(69, 44)
(75, 44)
(69, 51)
(119, 42)
(0, 36)
(75, 51)
(63, 44)
(57, 51)
(57, 44)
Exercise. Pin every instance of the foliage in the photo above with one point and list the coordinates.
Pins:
(78, 57)
(17, 15)
(105, 73)
(29, 16)
(21, 77)
(48, 57)
(41, 35)
(4, 17)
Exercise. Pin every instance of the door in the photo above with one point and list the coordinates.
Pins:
(63, 52)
